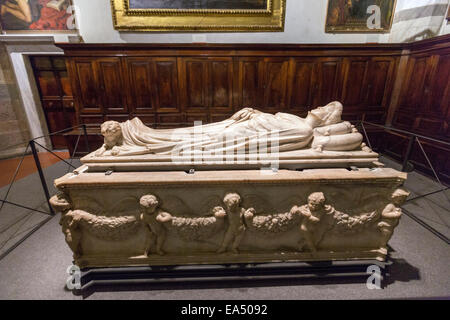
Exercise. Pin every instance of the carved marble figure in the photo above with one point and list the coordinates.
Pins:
(390, 216)
(150, 210)
(321, 130)
(236, 227)
(313, 213)
(153, 218)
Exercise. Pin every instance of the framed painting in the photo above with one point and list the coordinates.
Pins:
(37, 16)
(198, 15)
(359, 16)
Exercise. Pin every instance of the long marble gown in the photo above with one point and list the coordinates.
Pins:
(243, 132)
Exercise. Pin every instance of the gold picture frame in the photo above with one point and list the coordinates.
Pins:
(270, 19)
(352, 23)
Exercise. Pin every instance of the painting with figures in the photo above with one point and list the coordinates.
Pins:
(36, 15)
(200, 4)
(358, 15)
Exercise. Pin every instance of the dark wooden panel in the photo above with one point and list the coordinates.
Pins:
(192, 118)
(380, 76)
(55, 94)
(86, 86)
(219, 117)
(326, 78)
(301, 85)
(111, 85)
(354, 86)
(440, 89)
(139, 71)
(147, 119)
(249, 82)
(48, 84)
(170, 120)
(194, 84)
(65, 84)
(117, 117)
(92, 119)
(221, 84)
(275, 73)
(165, 84)
(56, 121)
(413, 97)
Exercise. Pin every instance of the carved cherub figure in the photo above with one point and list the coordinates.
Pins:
(153, 218)
(236, 227)
(312, 213)
(391, 215)
(113, 138)
(71, 227)
(69, 223)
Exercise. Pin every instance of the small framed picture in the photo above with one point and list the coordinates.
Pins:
(359, 16)
(37, 16)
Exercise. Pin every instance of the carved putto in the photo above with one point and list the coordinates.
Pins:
(311, 221)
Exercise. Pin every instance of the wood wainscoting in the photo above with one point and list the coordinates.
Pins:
(169, 85)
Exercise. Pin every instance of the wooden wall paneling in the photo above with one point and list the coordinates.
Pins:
(326, 81)
(149, 119)
(55, 94)
(193, 79)
(250, 82)
(274, 83)
(219, 117)
(164, 84)
(92, 120)
(380, 84)
(85, 86)
(413, 95)
(111, 84)
(117, 117)
(140, 83)
(170, 120)
(191, 118)
(354, 83)
(436, 116)
(301, 85)
(221, 84)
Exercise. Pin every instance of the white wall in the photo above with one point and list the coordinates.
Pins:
(305, 23)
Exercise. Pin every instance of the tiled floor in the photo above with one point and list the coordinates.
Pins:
(28, 166)
(16, 222)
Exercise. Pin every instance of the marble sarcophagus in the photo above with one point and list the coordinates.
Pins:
(254, 188)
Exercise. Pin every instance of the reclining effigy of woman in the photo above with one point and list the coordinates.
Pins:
(256, 187)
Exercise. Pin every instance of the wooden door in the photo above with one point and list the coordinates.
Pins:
(55, 94)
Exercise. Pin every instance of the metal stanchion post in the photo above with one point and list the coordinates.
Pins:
(41, 175)
(86, 138)
(409, 150)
